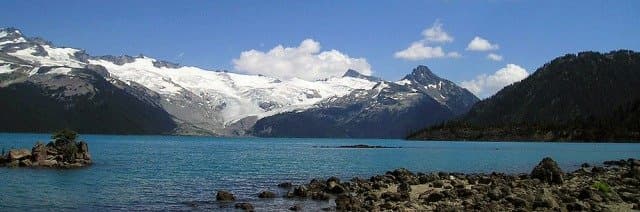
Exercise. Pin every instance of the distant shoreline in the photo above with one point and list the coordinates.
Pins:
(405, 139)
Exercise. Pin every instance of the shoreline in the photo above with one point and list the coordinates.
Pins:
(614, 186)
(603, 141)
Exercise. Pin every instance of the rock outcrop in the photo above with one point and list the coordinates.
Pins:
(548, 171)
(614, 187)
(73, 155)
(63, 152)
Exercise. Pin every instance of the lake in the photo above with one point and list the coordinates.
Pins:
(184, 173)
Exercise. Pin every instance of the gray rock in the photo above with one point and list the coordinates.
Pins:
(548, 171)
(18, 154)
(39, 152)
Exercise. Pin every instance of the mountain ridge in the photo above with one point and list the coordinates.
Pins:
(198, 101)
(573, 97)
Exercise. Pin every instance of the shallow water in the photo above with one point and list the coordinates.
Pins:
(183, 173)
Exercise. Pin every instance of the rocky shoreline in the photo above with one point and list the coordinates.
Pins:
(63, 152)
(612, 187)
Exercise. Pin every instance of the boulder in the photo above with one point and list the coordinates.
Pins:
(316, 185)
(544, 199)
(404, 175)
(393, 196)
(48, 163)
(336, 189)
(18, 154)
(320, 195)
(333, 186)
(300, 191)
(266, 194)
(517, 201)
(244, 206)
(39, 152)
(25, 163)
(223, 195)
(548, 171)
(437, 184)
(348, 203)
(404, 188)
(434, 197)
(295, 208)
(634, 172)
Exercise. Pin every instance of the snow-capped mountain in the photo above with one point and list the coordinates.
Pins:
(387, 110)
(456, 98)
(44, 88)
(202, 101)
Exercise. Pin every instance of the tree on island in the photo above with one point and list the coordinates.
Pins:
(65, 141)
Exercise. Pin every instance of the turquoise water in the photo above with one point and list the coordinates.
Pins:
(183, 173)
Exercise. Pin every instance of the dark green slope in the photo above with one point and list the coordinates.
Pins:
(85, 102)
(589, 96)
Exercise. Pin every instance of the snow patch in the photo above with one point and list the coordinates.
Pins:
(60, 70)
(5, 69)
(404, 82)
(56, 56)
(18, 40)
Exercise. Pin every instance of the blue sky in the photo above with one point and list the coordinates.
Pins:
(211, 34)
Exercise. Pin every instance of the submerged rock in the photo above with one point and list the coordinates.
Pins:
(266, 194)
(223, 195)
(295, 208)
(244, 206)
(285, 185)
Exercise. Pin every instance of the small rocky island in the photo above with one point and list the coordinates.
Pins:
(64, 151)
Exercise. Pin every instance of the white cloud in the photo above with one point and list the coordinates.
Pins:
(419, 51)
(487, 85)
(494, 57)
(304, 62)
(436, 34)
(480, 44)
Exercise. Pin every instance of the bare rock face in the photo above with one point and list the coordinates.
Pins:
(39, 152)
(18, 154)
(548, 171)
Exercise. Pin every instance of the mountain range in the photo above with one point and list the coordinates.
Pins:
(588, 96)
(45, 87)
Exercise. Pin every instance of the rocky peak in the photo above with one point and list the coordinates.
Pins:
(9, 31)
(119, 60)
(10, 36)
(423, 75)
(40, 41)
(356, 74)
(165, 64)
